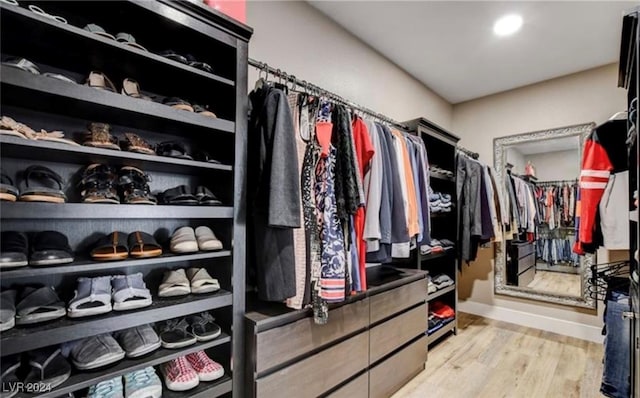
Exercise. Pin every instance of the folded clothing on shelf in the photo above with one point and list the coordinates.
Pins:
(441, 281)
(440, 314)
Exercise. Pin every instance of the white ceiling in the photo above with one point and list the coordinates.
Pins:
(451, 48)
(546, 146)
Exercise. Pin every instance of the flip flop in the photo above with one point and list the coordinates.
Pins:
(37, 305)
(50, 248)
(48, 367)
(111, 247)
(143, 245)
(128, 39)
(13, 249)
(42, 193)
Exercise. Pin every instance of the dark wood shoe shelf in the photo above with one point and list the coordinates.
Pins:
(43, 102)
(441, 150)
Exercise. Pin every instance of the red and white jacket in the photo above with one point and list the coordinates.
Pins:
(605, 153)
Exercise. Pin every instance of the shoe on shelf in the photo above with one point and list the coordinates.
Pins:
(174, 283)
(138, 341)
(201, 281)
(99, 136)
(179, 375)
(48, 367)
(203, 326)
(207, 240)
(38, 304)
(94, 352)
(143, 245)
(99, 184)
(7, 310)
(184, 241)
(129, 292)
(143, 383)
(111, 388)
(135, 143)
(13, 249)
(91, 297)
(205, 367)
(8, 376)
(42, 185)
(133, 185)
(50, 248)
(174, 334)
(8, 190)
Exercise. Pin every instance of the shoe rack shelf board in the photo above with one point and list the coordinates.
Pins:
(69, 34)
(67, 329)
(38, 150)
(441, 151)
(88, 265)
(75, 211)
(83, 380)
(23, 88)
(441, 292)
(205, 389)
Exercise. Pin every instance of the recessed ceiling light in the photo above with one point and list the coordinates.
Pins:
(507, 25)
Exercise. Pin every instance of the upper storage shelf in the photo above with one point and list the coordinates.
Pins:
(46, 94)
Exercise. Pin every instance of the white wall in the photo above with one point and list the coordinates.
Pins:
(516, 158)
(559, 165)
(579, 98)
(295, 37)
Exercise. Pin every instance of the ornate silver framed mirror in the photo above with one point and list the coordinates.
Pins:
(541, 265)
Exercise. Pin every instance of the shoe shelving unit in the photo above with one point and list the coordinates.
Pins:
(441, 151)
(45, 103)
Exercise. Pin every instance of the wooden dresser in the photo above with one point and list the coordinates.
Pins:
(372, 345)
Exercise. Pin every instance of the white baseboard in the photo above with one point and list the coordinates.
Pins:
(566, 328)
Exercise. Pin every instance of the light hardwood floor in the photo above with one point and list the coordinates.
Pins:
(557, 282)
(493, 359)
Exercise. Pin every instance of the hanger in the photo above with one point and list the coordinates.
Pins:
(262, 81)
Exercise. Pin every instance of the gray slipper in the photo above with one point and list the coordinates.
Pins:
(175, 335)
(7, 310)
(95, 352)
(48, 366)
(130, 292)
(38, 305)
(92, 297)
(138, 341)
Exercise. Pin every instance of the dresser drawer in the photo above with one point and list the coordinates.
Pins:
(356, 388)
(281, 344)
(524, 263)
(318, 373)
(527, 276)
(519, 250)
(389, 376)
(394, 333)
(386, 304)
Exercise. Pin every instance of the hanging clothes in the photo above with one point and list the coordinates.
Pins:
(273, 194)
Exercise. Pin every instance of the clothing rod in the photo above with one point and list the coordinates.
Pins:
(312, 88)
(474, 155)
(574, 181)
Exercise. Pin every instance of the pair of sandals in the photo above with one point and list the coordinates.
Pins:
(94, 296)
(175, 149)
(28, 66)
(34, 304)
(181, 195)
(47, 248)
(122, 37)
(9, 126)
(131, 88)
(119, 246)
(187, 60)
(99, 136)
(179, 333)
(181, 283)
(188, 240)
(41, 185)
(101, 183)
